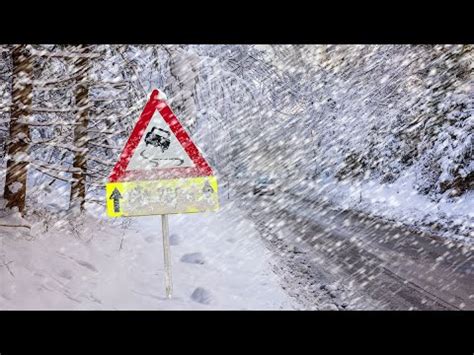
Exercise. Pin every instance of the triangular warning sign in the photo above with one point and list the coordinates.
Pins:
(159, 147)
(160, 170)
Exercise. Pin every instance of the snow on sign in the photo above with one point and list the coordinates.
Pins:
(160, 170)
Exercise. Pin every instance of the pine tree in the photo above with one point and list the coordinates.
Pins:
(19, 139)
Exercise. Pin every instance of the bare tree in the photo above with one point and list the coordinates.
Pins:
(18, 143)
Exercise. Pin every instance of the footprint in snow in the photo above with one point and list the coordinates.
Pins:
(193, 258)
(66, 274)
(201, 295)
(175, 239)
(86, 265)
(150, 239)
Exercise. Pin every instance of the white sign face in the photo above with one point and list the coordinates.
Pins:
(159, 148)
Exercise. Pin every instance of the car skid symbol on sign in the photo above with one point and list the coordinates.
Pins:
(156, 139)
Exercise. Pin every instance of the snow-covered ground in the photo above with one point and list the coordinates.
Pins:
(218, 261)
(400, 202)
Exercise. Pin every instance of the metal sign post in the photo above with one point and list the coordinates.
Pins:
(166, 253)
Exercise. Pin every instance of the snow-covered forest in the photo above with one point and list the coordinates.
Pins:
(381, 130)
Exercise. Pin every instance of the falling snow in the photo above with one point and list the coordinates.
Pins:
(345, 177)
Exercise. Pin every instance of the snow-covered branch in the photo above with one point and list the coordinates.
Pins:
(104, 146)
(63, 54)
(53, 110)
(39, 83)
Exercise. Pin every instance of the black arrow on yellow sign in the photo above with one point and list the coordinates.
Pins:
(116, 196)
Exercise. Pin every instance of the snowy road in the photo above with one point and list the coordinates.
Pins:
(351, 261)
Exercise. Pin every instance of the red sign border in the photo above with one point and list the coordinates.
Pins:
(120, 173)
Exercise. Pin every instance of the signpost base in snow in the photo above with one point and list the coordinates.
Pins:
(166, 254)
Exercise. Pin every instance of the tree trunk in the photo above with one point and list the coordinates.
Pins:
(78, 187)
(19, 140)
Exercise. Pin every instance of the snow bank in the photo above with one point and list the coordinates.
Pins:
(399, 202)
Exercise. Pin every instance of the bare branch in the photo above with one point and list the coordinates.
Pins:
(57, 177)
(109, 84)
(53, 167)
(62, 146)
(107, 131)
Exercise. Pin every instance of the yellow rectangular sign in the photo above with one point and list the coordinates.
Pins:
(171, 196)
